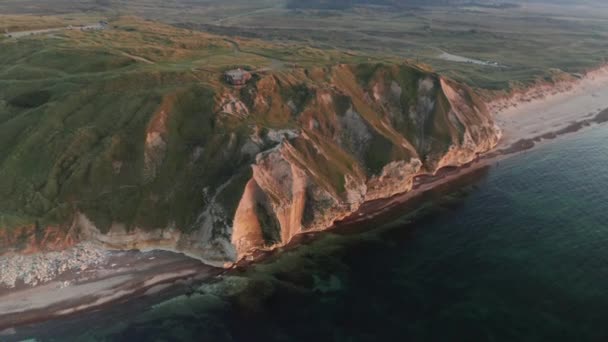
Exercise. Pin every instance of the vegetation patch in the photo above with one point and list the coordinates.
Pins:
(31, 99)
(249, 91)
(271, 230)
(378, 154)
(366, 71)
(299, 95)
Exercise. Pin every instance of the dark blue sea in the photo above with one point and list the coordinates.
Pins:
(518, 252)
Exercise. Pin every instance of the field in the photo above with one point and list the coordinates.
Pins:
(525, 42)
(487, 47)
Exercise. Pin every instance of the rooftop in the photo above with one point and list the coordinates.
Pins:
(237, 73)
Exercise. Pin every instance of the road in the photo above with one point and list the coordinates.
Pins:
(22, 34)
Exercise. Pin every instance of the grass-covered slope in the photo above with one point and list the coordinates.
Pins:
(134, 126)
(74, 115)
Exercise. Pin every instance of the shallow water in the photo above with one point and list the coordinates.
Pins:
(519, 256)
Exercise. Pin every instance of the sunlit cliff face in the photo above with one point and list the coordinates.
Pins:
(287, 153)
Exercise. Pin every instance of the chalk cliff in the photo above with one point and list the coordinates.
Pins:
(217, 172)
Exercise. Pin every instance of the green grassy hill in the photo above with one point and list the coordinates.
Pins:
(134, 125)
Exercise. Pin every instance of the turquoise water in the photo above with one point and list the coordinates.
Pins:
(519, 255)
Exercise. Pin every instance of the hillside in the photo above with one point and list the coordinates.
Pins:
(130, 138)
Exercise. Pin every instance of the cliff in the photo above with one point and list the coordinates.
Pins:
(135, 155)
(219, 172)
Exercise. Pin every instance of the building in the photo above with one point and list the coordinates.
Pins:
(237, 76)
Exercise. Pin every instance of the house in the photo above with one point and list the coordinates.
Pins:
(237, 76)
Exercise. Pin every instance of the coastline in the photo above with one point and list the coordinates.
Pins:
(123, 276)
(526, 119)
(149, 273)
(543, 110)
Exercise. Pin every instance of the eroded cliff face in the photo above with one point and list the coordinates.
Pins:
(34, 239)
(290, 152)
(358, 142)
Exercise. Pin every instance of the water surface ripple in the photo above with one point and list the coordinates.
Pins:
(522, 256)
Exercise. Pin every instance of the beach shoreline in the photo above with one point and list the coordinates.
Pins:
(123, 276)
(525, 124)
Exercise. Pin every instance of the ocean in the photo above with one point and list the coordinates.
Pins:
(517, 253)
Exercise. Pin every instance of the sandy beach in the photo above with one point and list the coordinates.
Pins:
(552, 112)
(119, 276)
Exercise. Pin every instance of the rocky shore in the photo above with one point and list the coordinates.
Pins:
(40, 268)
(85, 278)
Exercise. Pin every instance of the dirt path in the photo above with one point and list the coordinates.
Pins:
(137, 58)
(240, 15)
(22, 34)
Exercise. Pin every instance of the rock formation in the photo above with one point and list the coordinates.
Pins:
(217, 173)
